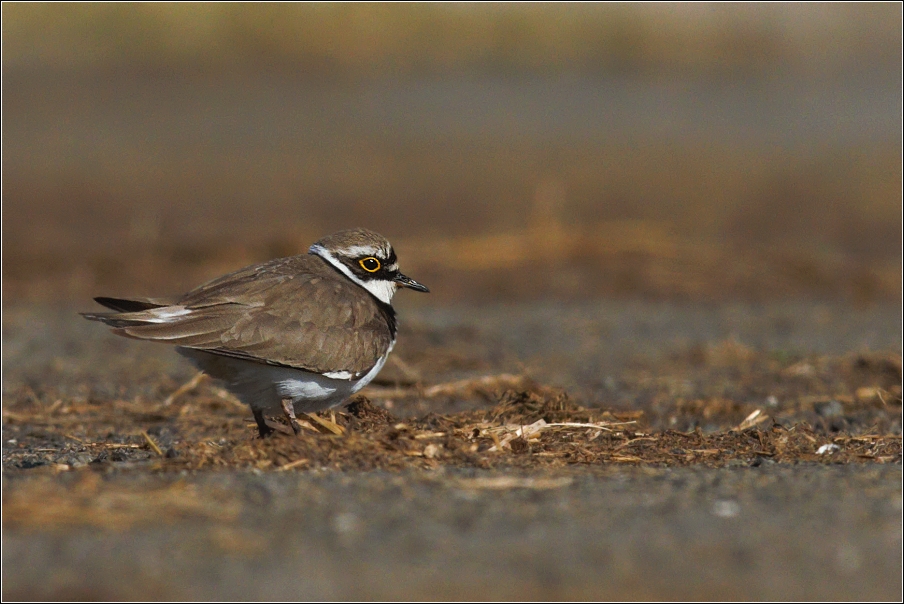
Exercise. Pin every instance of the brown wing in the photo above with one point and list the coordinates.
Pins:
(294, 311)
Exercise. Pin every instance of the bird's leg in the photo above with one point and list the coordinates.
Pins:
(262, 428)
(289, 409)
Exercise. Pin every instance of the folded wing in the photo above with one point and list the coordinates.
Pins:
(257, 314)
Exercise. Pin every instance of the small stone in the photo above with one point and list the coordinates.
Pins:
(828, 449)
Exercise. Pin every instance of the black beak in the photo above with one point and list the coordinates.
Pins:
(410, 283)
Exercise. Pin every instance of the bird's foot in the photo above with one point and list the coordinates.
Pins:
(289, 410)
(262, 428)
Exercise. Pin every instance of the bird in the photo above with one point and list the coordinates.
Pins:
(292, 335)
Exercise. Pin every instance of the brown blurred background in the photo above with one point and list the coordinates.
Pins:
(702, 152)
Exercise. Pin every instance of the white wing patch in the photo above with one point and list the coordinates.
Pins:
(166, 314)
(339, 375)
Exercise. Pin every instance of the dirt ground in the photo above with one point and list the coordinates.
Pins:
(737, 452)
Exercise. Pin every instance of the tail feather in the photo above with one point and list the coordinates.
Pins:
(130, 304)
(125, 305)
(173, 324)
(113, 319)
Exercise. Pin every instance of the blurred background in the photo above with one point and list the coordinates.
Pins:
(542, 151)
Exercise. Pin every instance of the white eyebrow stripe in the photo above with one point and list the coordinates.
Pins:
(363, 250)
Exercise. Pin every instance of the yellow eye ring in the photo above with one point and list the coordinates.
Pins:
(370, 264)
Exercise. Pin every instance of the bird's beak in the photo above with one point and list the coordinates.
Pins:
(404, 281)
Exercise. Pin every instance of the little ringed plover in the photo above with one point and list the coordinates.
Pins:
(291, 335)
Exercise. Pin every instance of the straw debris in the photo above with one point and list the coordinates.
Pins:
(533, 428)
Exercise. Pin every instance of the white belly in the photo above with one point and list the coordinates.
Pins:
(265, 386)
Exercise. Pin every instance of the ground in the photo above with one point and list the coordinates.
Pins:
(568, 451)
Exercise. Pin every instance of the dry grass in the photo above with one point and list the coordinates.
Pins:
(534, 427)
(833, 410)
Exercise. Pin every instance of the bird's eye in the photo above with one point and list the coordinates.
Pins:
(371, 264)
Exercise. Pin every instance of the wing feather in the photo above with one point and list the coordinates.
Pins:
(295, 312)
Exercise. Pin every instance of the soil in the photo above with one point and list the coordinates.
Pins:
(733, 452)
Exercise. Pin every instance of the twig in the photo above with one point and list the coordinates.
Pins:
(151, 442)
(292, 464)
(412, 374)
(600, 426)
(497, 444)
(186, 387)
(634, 440)
(757, 417)
(331, 426)
(425, 435)
(624, 458)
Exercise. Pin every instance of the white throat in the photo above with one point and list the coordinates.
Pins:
(382, 289)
